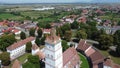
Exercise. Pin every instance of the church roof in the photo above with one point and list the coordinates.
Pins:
(34, 47)
(16, 64)
(83, 45)
(20, 43)
(70, 55)
(52, 39)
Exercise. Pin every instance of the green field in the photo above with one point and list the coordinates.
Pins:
(84, 63)
(9, 16)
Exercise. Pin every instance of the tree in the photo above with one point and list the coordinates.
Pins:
(105, 41)
(39, 31)
(118, 49)
(6, 40)
(32, 32)
(22, 35)
(33, 62)
(33, 59)
(28, 47)
(117, 37)
(65, 27)
(118, 23)
(37, 41)
(48, 26)
(5, 58)
(42, 41)
(59, 32)
(75, 25)
(68, 35)
(28, 18)
(81, 34)
(64, 45)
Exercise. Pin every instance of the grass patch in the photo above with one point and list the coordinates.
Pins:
(84, 63)
(23, 57)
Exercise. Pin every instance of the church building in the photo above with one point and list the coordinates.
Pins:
(55, 57)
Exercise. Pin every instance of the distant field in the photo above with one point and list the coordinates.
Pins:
(109, 17)
(10, 16)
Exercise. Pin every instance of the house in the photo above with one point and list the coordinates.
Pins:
(71, 58)
(108, 63)
(95, 58)
(82, 19)
(55, 57)
(91, 52)
(16, 64)
(17, 49)
(37, 51)
(16, 31)
(46, 31)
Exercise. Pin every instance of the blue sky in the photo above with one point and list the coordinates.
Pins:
(42, 1)
(55, 1)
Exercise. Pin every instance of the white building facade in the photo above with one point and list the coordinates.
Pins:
(53, 52)
(19, 48)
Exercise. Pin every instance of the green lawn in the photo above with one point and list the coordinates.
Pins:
(84, 63)
(6, 15)
(115, 59)
(23, 57)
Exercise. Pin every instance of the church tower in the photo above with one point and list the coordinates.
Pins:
(53, 51)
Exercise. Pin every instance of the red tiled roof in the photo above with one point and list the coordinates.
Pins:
(98, 59)
(95, 66)
(20, 43)
(52, 39)
(83, 45)
(16, 64)
(15, 30)
(116, 66)
(70, 55)
(89, 51)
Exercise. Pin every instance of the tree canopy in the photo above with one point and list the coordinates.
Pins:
(5, 57)
(37, 41)
(68, 35)
(28, 47)
(64, 45)
(39, 32)
(6, 40)
(81, 34)
(33, 62)
(22, 35)
(32, 32)
(105, 41)
(117, 38)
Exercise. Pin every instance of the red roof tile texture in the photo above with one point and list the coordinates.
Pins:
(70, 55)
(16, 64)
(20, 43)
